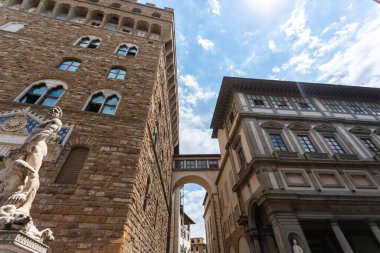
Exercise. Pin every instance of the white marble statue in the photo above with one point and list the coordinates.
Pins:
(296, 247)
(19, 180)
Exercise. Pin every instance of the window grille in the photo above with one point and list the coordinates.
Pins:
(373, 107)
(306, 144)
(368, 143)
(258, 101)
(333, 106)
(281, 103)
(72, 166)
(201, 164)
(334, 145)
(355, 108)
(303, 104)
(277, 142)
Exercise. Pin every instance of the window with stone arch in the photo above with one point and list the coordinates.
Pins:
(72, 166)
(12, 27)
(127, 50)
(105, 102)
(88, 42)
(45, 92)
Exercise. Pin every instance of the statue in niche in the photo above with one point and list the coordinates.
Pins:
(19, 179)
(296, 247)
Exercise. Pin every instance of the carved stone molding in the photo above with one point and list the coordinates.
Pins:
(83, 141)
(51, 74)
(299, 126)
(15, 241)
(360, 130)
(325, 128)
(272, 125)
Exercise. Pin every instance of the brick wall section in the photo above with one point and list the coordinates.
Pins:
(103, 212)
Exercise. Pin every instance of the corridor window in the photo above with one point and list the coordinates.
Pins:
(281, 103)
(69, 65)
(306, 144)
(213, 164)
(277, 142)
(368, 143)
(201, 164)
(190, 164)
(334, 145)
(117, 73)
(179, 164)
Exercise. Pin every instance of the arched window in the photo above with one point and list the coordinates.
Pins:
(117, 73)
(132, 51)
(69, 65)
(102, 104)
(42, 95)
(12, 27)
(89, 42)
(125, 50)
(72, 166)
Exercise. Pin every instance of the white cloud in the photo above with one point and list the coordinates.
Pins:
(206, 44)
(195, 134)
(214, 6)
(272, 45)
(302, 63)
(358, 63)
(193, 203)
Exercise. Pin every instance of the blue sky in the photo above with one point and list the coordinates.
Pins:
(324, 41)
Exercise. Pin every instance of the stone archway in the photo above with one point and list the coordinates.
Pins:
(205, 179)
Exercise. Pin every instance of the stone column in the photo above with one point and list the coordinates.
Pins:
(375, 229)
(285, 226)
(40, 6)
(254, 235)
(71, 13)
(341, 238)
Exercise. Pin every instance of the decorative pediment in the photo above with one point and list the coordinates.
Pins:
(299, 126)
(325, 128)
(360, 130)
(272, 125)
(16, 125)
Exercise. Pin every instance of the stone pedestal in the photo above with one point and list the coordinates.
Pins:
(18, 242)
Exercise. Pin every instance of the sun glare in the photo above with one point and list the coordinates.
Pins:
(263, 7)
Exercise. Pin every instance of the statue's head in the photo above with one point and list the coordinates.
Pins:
(55, 113)
(294, 241)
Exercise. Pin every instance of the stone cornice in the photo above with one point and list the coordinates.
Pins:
(286, 88)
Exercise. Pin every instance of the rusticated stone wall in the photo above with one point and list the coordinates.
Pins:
(107, 210)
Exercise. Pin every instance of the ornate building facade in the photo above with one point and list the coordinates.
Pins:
(110, 66)
(299, 168)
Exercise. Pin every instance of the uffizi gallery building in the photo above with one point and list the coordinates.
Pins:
(298, 169)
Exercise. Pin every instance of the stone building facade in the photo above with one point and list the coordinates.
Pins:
(299, 166)
(111, 67)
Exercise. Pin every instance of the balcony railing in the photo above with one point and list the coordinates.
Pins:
(347, 157)
(317, 156)
(286, 155)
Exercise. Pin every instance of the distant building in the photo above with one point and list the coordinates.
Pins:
(182, 243)
(198, 245)
(299, 166)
